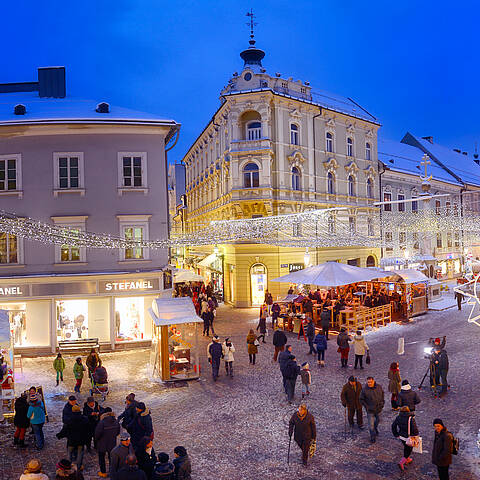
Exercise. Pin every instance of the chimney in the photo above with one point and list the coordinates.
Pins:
(457, 150)
(51, 82)
(464, 153)
(428, 139)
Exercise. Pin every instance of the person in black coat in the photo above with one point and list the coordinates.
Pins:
(262, 327)
(67, 409)
(141, 426)
(292, 370)
(310, 333)
(106, 433)
(407, 397)
(146, 457)
(325, 318)
(131, 471)
(404, 426)
(279, 342)
(20, 420)
(181, 462)
(442, 449)
(92, 411)
(275, 314)
(206, 323)
(303, 424)
(350, 398)
(440, 363)
(282, 362)
(164, 469)
(130, 411)
(215, 353)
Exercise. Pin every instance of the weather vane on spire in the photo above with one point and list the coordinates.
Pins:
(251, 24)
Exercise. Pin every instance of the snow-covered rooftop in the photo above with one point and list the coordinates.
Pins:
(69, 110)
(404, 158)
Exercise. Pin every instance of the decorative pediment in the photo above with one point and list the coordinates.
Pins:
(370, 171)
(330, 122)
(295, 114)
(369, 133)
(296, 157)
(351, 167)
(330, 164)
(351, 128)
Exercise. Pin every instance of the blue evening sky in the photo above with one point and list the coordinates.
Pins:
(413, 64)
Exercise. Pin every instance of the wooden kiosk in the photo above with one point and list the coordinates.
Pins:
(174, 354)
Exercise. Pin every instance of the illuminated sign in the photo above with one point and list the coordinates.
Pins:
(11, 290)
(295, 267)
(128, 285)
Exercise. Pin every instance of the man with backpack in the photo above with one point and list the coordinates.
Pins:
(443, 446)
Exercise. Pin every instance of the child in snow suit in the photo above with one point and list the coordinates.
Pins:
(59, 366)
(78, 369)
(306, 378)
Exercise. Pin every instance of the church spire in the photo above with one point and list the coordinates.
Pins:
(252, 56)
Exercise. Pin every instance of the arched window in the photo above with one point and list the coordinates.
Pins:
(351, 186)
(254, 131)
(371, 261)
(295, 178)
(330, 183)
(250, 175)
(350, 147)
(368, 151)
(293, 134)
(369, 188)
(329, 142)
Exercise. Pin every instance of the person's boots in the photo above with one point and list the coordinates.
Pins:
(401, 464)
(57, 382)
(409, 461)
(323, 363)
(15, 441)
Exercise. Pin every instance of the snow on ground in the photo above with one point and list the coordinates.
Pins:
(236, 429)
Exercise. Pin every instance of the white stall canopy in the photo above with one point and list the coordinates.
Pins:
(408, 275)
(173, 311)
(187, 276)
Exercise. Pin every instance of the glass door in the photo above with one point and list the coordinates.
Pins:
(258, 280)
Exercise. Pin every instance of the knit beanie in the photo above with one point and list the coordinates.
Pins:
(438, 421)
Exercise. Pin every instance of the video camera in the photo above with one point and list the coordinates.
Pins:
(434, 343)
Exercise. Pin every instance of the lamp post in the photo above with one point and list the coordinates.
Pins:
(306, 258)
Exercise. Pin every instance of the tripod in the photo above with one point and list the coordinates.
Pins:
(432, 370)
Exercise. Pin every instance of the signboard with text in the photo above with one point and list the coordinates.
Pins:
(295, 267)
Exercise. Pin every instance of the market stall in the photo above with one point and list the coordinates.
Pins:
(174, 354)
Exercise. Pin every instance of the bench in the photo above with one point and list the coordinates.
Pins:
(78, 345)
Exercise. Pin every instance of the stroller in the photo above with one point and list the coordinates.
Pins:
(99, 381)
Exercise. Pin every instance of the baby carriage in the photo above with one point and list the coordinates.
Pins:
(99, 382)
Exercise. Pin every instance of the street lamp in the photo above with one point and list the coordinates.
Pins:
(306, 258)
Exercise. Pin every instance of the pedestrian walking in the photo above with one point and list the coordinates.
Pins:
(372, 399)
(33, 471)
(321, 344)
(181, 462)
(36, 415)
(76, 431)
(279, 342)
(404, 427)
(302, 426)
(407, 397)
(78, 369)
(91, 410)
(306, 377)
(206, 323)
(350, 398)
(228, 349)
(21, 420)
(59, 366)
(262, 327)
(106, 433)
(164, 469)
(275, 314)
(343, 340)
(129, 412)
(310, 333)
(67, 409)
(93, 361)
(146, 457)
(360, 347)
(292, 370)
(214, 353)
(119, 454)
(459, 298)
(211, 318)
(131, 471)
(252, 346)
(394, 384)
(442, 449)
(325, 318)
(66, 470)
(282, 362)
(140, 426)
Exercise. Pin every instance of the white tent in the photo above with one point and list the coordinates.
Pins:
(408, 275)
(331, 274)
(187, 276)
(173, 311)
(208, 261)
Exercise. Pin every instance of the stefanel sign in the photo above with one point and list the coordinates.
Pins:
(128, 285)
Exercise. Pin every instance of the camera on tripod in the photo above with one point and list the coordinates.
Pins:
(435, 343)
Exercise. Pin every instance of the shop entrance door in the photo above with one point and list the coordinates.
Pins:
(258, 280)
(72, 319)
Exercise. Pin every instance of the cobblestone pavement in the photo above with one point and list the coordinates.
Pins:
(237, 428)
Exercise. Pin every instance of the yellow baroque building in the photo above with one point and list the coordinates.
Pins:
(273, 147)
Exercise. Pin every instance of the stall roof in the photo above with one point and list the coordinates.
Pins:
(208, 260)
(409, 275)
(173, 311)
(187, 276)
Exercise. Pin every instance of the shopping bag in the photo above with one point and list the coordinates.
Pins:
(367, 361)
(256, 343)
(419, 447)
(313, 448)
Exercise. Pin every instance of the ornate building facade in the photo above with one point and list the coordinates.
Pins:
(274, 146)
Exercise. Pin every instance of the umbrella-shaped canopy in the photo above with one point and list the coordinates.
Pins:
(187, 276)
(331, 274)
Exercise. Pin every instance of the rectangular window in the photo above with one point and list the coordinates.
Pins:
(68, 171)
(457, 239)
(8, 173)
(69, 253)
(401, 205)
(387, 197)
(439, 240)
(438, 207)
(449, 239)
(414, 206)
(8, 248)
(447, 208)
(132, 170)
(402, 238)
(388, 241)
(134, 233)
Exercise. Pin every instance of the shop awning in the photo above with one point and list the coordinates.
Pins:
(187, 276)
(4, 329)
(409, 275)
(173, 311)
(208, 261)
(331, 274)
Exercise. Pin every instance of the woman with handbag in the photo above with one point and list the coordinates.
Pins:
(252, 346)
(405, 428)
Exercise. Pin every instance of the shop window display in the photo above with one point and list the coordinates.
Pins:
(129, 319)
(72, 319)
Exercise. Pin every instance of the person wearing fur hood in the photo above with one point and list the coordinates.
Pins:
(141, 426)
(106, 434)
(66, 470)
(360, 347)
(228, 349)
(33, 471)
(407, 397)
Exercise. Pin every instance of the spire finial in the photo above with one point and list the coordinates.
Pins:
(251, 24)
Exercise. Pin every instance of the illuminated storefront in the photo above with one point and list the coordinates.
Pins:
(110, 308)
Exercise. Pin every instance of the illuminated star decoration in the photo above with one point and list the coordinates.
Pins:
(470, 290)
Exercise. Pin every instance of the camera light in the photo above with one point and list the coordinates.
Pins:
(428, 350)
